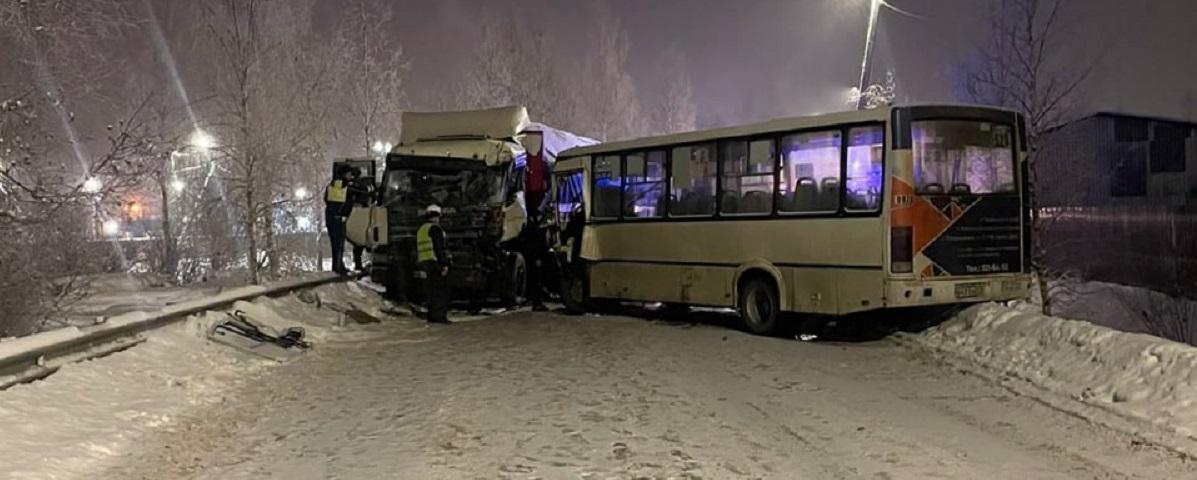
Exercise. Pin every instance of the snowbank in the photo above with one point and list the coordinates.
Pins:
(82, 418)
(1134, 375)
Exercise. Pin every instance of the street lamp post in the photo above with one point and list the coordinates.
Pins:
(866, 61)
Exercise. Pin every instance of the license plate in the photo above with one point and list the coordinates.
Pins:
(970, 290)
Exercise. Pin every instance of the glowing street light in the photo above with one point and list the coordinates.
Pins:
(92, 185)
(382, 148)
(201, 140)
(177, 185)
(301, 193)
(111, 228)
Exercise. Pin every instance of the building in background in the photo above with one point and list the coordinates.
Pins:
(1118, 198)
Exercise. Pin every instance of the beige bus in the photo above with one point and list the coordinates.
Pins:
(830, 214)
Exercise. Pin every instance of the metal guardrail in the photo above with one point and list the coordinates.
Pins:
(40, 355)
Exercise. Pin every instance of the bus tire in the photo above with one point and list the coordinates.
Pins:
(760, 308)
(516, 278)
(573, 293)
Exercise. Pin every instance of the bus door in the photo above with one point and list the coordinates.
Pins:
(568, 211)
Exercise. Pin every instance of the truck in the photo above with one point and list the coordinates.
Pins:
(489, 171)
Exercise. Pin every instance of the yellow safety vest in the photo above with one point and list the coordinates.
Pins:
(336, 192)
(425, 251)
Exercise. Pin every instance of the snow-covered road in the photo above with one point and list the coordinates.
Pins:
(530, 395)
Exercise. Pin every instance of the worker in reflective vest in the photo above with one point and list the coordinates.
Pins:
(434, 263)
(336, 208)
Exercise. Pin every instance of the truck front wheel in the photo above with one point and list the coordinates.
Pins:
(515, 281)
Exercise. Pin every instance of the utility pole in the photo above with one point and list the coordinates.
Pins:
(865, 63)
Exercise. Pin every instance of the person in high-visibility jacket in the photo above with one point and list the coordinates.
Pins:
(434, 262)
(336, 209)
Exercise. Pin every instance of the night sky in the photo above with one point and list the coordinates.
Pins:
(753, 59)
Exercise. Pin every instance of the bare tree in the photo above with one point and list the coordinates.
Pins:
(515, 65)
(1028, 66)
(370, 87)
(55, 55)
(609, 92)
(677, 111)
(265, 88)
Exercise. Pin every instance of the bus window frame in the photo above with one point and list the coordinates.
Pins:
(719, 162)
(1015, 144)
(667, 168)
(887, 127)
(714, 149)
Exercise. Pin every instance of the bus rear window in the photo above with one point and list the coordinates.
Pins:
(962, 157)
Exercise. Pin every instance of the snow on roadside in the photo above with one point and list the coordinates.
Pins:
(89, 414)
(1134, 375)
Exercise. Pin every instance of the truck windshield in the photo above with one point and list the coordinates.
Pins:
(963, 157)
(445, 187)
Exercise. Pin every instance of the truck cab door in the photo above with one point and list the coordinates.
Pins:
(367, 226)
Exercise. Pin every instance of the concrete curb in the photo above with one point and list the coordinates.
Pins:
(21, 355)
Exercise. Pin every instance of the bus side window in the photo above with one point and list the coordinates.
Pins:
(644, 185)
(810, 172)
(608, 176)
(692, 187)
(747, 176)
(866, 146)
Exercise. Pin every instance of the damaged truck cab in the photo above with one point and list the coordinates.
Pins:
(488, 170)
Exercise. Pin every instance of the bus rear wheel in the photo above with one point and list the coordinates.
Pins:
(760, 309)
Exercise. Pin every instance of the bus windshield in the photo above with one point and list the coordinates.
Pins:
(963, 157)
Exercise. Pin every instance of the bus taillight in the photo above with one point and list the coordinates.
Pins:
(901, 249)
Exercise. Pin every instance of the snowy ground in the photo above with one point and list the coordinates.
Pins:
(527, 395)
(87, 416)
(541, 395)
(1126, 375)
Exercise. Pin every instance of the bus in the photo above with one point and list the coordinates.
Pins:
(900, 206)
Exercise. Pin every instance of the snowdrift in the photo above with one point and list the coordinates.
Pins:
(1134, 375)
(78, 421)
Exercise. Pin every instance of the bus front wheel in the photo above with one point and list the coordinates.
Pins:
(759, 306)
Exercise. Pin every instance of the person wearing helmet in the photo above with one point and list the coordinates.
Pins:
(434, 262)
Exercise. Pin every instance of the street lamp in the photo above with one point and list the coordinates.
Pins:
(92, 185)
(111, 228)
(201, 140)
(381, 148)
(301, 193)
(865, 63)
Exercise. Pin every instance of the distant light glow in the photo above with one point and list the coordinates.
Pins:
(177, 185)
(301, 193)
(111, 228)
(92, 185)
(201, 140)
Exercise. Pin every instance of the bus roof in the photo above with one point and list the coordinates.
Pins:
(759, 128)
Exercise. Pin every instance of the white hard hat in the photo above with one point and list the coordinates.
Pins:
(432, 209)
